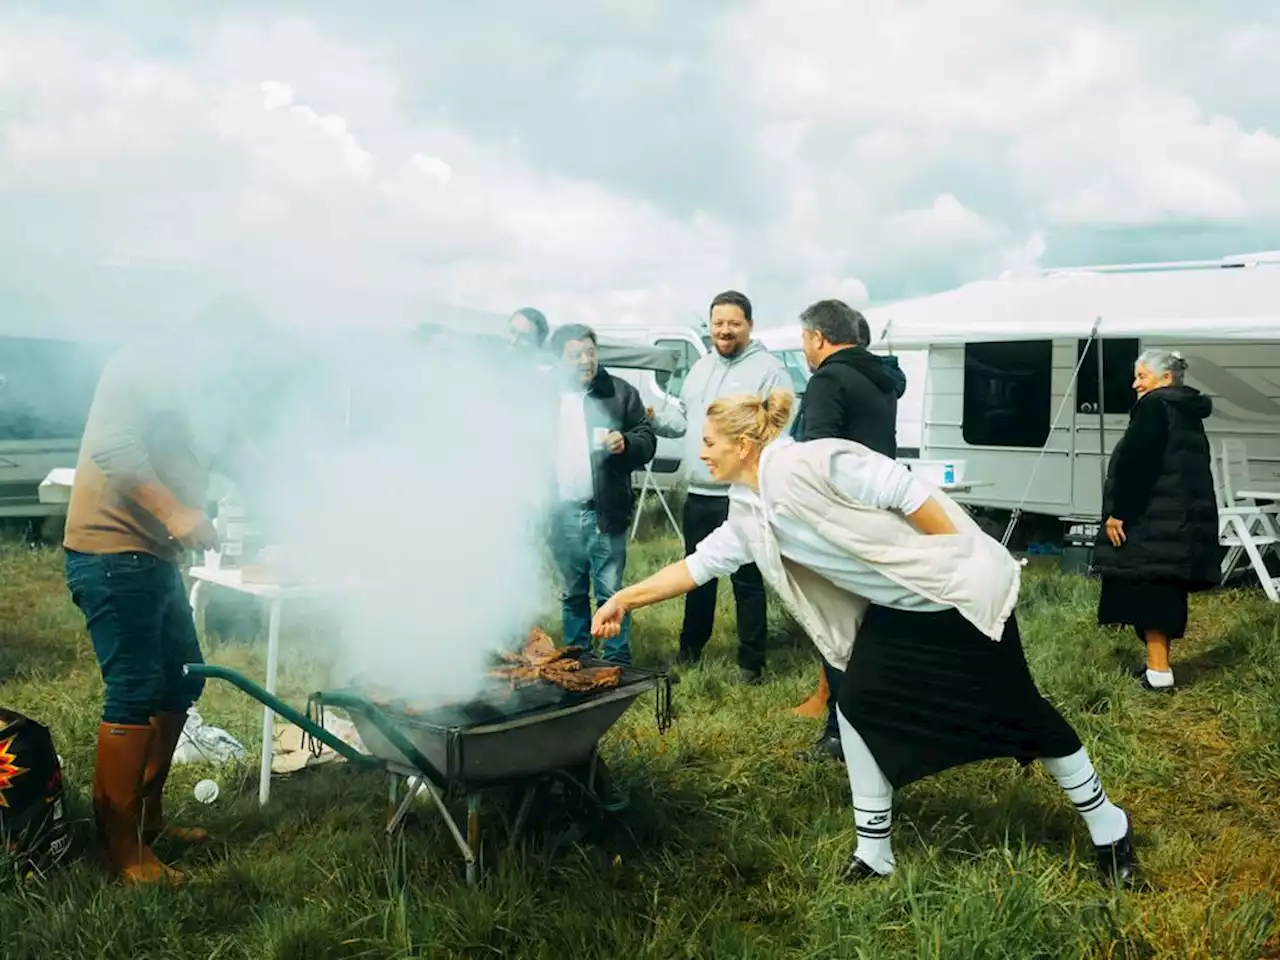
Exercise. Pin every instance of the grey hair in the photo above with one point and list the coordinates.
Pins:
(1161, 362)
(838, 323)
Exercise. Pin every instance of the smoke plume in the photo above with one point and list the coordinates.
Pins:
(410, 479)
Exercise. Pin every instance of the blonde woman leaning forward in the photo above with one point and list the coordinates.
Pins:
(853, 543)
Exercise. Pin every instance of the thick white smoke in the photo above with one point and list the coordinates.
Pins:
(416, 476)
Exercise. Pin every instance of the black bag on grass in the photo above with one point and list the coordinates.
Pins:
(33, 830)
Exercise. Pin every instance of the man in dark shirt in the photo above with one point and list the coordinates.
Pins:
(852, 395)
(603, 437)
(527, 329)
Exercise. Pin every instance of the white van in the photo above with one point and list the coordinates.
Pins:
(46, 387)
(659, 389)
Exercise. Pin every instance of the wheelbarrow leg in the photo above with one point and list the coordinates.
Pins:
(463, 846)
(522, 814)
(473, 838)
(414, 785)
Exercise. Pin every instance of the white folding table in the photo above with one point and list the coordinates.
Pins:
(276, 594)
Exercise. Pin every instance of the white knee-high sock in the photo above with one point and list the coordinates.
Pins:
(872, 800)
(1107, 823)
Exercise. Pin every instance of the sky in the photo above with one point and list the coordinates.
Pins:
(608, 161)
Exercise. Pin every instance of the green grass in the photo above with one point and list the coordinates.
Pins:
(731, 846)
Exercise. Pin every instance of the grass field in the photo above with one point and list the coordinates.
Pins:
(731, 847)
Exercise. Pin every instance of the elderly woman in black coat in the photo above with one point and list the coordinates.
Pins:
(1159, 541)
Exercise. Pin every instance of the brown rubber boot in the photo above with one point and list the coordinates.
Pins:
(117, 805)
(816, 706)
(168, 731)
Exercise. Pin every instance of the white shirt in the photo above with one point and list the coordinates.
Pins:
(573, 460)
(873, 481)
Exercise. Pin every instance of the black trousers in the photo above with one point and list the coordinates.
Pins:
(701, 516)
(834, 677)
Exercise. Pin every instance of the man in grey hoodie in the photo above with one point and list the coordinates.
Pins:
(737, 364)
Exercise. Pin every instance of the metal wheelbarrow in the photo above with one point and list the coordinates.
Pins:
(501, 738)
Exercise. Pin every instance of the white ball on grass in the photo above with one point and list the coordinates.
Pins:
(206, 791)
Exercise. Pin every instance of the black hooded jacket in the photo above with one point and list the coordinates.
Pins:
(1160, 484)
(853, 395)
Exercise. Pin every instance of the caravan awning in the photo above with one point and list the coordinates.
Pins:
(637, 356)
(1219, 303)
(616, 354)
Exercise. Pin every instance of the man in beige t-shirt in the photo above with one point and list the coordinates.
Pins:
(136, 506)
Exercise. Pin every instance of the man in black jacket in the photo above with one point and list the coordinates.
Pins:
(603, 437)
(852, 395)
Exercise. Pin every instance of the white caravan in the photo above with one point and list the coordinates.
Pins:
(1012, 394)
(784, 342)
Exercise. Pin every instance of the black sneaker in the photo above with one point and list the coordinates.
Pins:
(1118, 863)
(826, 748)
(751, 678)
(857, 871)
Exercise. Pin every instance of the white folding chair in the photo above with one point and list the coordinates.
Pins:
(1235, 478)
(1247, 532)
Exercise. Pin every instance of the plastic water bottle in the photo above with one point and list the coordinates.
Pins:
(948, 474)
(230, 526)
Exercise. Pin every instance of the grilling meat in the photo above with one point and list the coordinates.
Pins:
(541, 661)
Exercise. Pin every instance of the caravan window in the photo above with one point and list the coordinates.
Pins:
(1007, 393)
(1118, 358)
(687, 355)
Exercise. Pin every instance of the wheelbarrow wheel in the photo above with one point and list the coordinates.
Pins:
(595, 785)
(606, 792)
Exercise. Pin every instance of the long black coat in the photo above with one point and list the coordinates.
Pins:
(1160, 484)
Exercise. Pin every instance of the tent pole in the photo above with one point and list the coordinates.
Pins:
(1102, 414)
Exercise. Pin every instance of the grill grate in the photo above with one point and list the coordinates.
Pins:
(499, 702)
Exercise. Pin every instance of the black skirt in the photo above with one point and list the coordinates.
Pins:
(928, 691)
(1144, 605)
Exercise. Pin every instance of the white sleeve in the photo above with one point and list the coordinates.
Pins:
(670, 420)
(878, 482)
(720, 554)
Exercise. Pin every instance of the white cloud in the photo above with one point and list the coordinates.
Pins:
(601, 164)
(1058, 115)
(433, 168)
(276, 94)
(945, 223)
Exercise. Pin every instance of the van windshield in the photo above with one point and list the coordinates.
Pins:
(797, 368)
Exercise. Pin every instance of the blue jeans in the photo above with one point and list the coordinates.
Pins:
(588, 559)
(140, 622)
